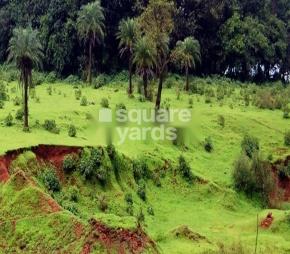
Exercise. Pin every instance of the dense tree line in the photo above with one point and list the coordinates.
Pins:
(237, 37)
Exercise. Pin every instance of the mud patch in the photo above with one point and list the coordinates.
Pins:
(122, 240)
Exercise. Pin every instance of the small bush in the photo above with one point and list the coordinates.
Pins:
(150, 210)
(49, 90)
(141, 190)
(140, 217)
(51, 77)
(72, 79)
(104, 103)
(103, 202)
(3, 93)
(250, 145)
(208, 144)
(51, 126)
(72, 131)
(140, 170)
(185, 169)
(121, 106)
(129, 199)
(73, 194)
(17, 101)
(100, 81)
(2, 104)
(69, 163)
(84, 101)
(244, 178)
(130, 209)
(287, 138)
(19, 114)
(8, 121)
(50, 180)
(142, 98)
(78, 94)
(190, 102)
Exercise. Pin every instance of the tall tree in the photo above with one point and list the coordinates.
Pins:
(25, 49)
(90, 26)
(144, 58)
(186, 55)
(157, 23)
(127, 34)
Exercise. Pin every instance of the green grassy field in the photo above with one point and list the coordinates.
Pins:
(212, 209)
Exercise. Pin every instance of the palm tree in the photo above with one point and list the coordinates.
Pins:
(187, 55)
(90, 26)
(26, 50)
(127, 34)
(144, 58)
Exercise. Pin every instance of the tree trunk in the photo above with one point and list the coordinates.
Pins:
(89, 78)
(25, 99)
(145, 84)
(187, 79)
(130, 90)
(159, 92)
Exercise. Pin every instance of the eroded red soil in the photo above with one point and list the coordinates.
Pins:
(44, 153)
(267, 222)
(122, 240)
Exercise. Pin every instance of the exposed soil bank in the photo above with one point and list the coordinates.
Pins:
(282, 182)
(48, 153)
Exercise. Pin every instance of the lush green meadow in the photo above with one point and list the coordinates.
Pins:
(211, 208)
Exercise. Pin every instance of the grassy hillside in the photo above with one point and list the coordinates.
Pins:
(188, 217)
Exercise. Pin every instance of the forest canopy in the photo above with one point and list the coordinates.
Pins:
(236, 37)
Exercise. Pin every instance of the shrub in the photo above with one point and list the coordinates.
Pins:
(142, 98)
(49, 90)
(130, 209)
(17, 101)
(51, 77)
(287, 138)
(8, 121)
(286, 112)
(150, 211)
(72, 79)
(104, 103)
(208, 144)
(141, 190)
(19, 114)
(243, 175)
(165, 104)
(84, 101)
(190, 102)
(221, 121)
(185, 169)
(129, 198)
(72, 131)
(94, 164)
(78, 94)
(253, 176)
(73, 194)
(50, 180)
(140, 169)
(207, 100)
(103, 202)
(121, 106)
(140, 217)
(2, 104)
(3, 93)
(100, 81)
(250, 145)
(170, 82)
(51, 126)
(69, 163)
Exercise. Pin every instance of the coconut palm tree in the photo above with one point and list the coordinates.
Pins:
(127, 34)
(187, 55)
(26, 50)
(90, 26)
(144, 58)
